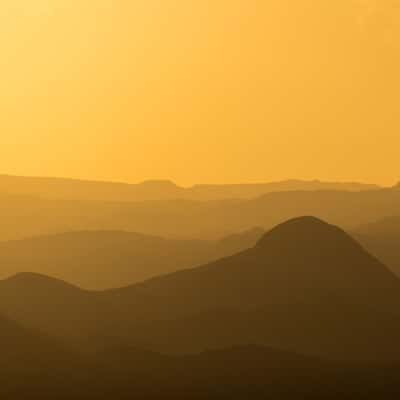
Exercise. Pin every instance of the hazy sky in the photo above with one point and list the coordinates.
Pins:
(201, 91)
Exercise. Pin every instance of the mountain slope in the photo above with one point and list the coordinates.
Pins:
(302, 287)
(303, 257)
(306, 287)
(382, 238)
(231, 373)
(33, 364)
(35, 367)
(106, 259)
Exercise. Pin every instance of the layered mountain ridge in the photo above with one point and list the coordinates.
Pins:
(301, 288)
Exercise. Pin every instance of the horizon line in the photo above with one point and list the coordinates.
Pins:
(194, 185)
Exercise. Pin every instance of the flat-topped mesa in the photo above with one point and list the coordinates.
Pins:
(159, 183)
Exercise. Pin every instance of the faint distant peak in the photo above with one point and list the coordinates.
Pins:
(164, 183)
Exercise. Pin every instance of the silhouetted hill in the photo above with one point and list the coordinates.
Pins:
(306, 279)
(33, 365)
(106, 259)
(232, 373)
(382, 238)
(56, 308)
(300, 252)
(25, 216)
(73, 189)
(303, 287)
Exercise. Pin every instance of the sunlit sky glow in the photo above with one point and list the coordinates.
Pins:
(198, 91)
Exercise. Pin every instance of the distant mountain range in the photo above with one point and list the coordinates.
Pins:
(72, 189)
(382, 238)
(24, 216)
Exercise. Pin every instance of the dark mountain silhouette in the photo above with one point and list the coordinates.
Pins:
(232, 373)
(73, 189)
(301, 252)
(33, 364)
(382, 238)
(25, 216)
(53, 307)
(303, 288)
(106, 259)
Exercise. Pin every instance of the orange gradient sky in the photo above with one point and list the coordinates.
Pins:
(201, 91)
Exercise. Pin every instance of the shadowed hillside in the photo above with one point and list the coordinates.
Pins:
(107, 259)
(232, 373)
(301, 288)
(303, 268)
(33, 365)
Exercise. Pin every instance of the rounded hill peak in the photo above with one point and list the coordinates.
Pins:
(31, 282)
(307, 231)
(305, 221)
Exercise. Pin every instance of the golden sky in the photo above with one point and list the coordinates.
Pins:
(201, 91)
